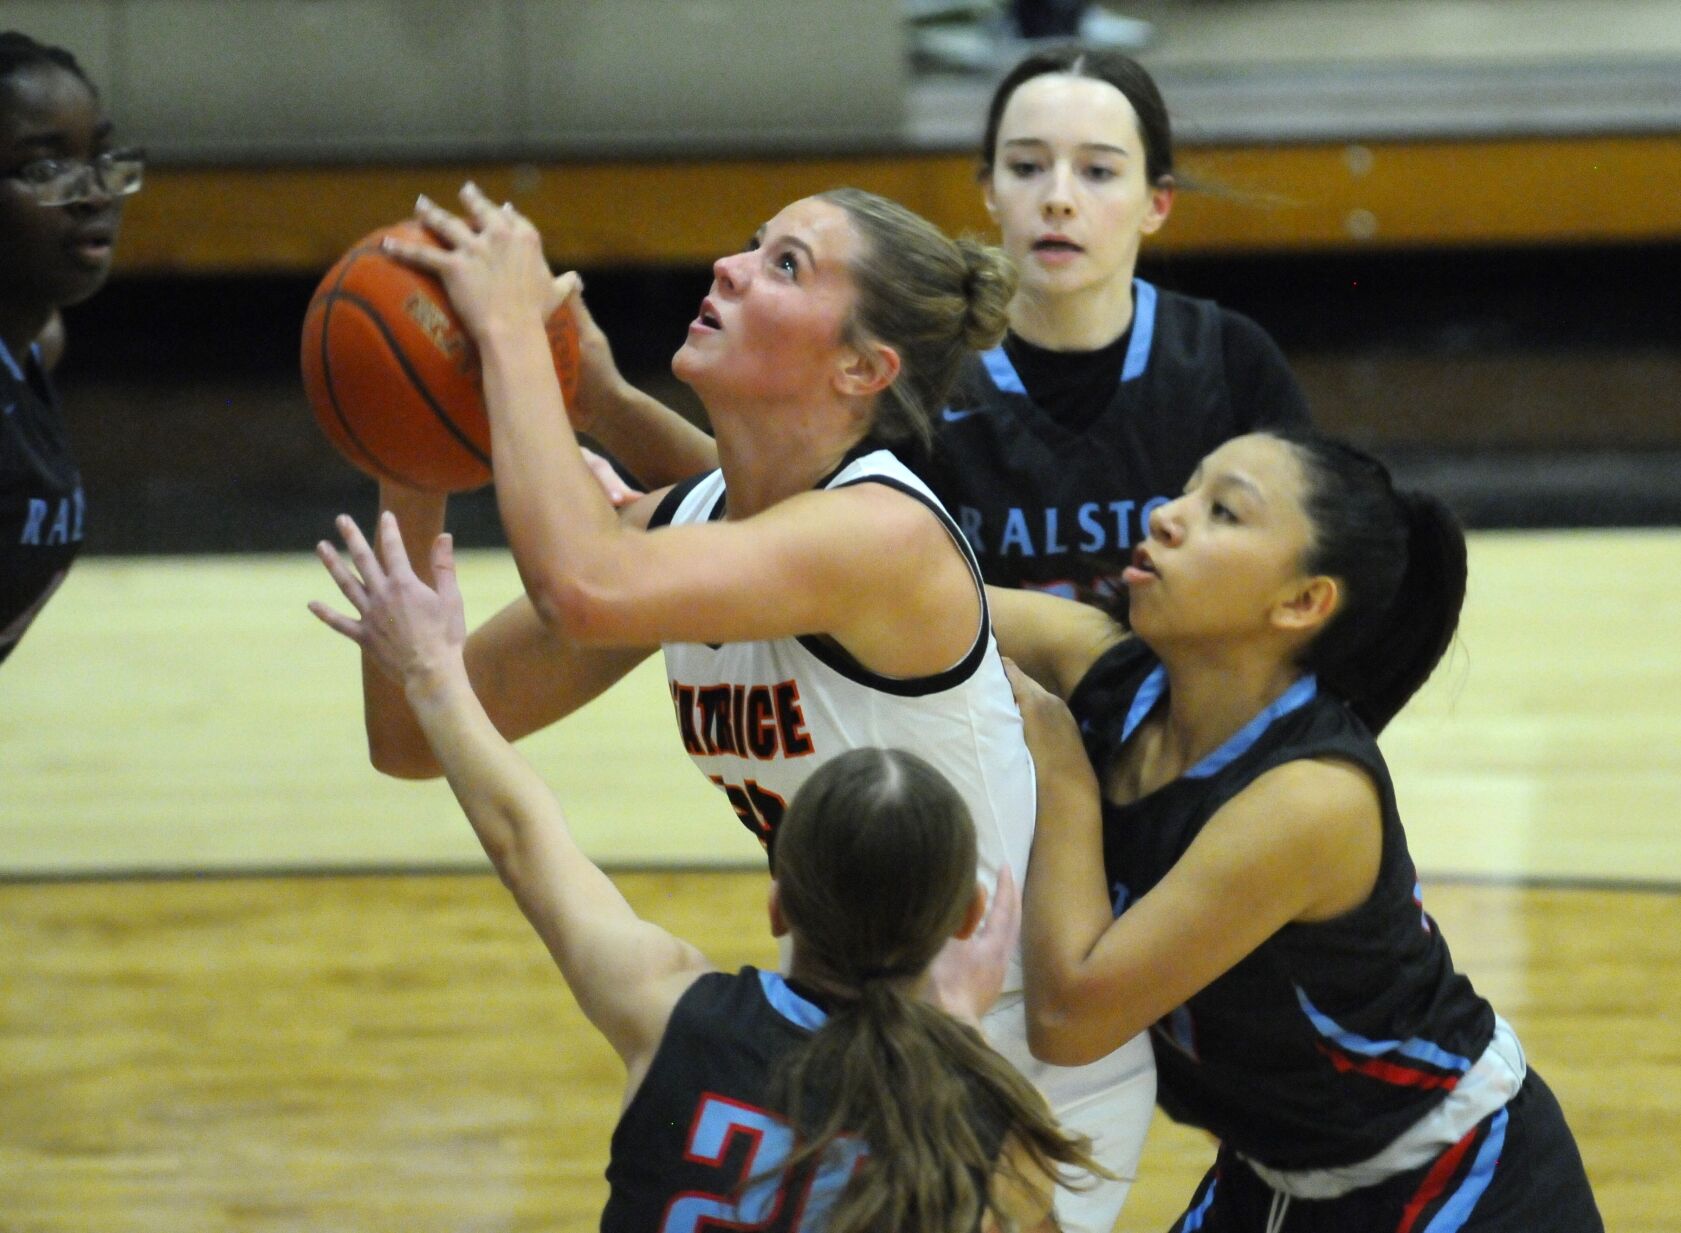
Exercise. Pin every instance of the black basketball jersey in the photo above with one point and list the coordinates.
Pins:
(1324, 1044)
(1055, 500)
(698, 1128)
(40, 495)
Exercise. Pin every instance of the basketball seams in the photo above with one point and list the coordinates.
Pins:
(409, 371)
(327, 304)
(369, 374)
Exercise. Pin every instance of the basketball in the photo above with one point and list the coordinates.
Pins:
(393, 377)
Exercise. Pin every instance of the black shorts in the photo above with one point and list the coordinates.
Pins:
(1518, 1171)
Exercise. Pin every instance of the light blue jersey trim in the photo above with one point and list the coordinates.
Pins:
(12, 365)
(1143, 330)
(1194, 1218)
(790, 1005)
(1457, 1210)
(1422, 1050)
(1002, 372)
(1238, 743)
(1008, 380)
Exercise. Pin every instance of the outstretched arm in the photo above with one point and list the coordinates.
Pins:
(626, 973)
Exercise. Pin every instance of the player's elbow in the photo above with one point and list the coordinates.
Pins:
(401, 759)
(1061, 1028)
(575, 609)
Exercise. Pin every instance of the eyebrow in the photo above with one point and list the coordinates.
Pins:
(58, 140)
(1234, 480)
(1227, 479)
(1102, 147)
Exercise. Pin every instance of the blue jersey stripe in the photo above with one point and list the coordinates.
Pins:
(1421, 1050)
(790, 1005)
(1194, 1218)
(1143, 330)
(1457, 1210)
(10, 363)
(1002, 372)
(1240, 742)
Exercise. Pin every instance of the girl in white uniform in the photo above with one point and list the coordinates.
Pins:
(839, 328)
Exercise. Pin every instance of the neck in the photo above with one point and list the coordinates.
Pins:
(828, 985)
(769, 454)
(1211, 695)
(1080, 320)
(19, 327)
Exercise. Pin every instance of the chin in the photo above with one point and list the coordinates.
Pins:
(79, 285)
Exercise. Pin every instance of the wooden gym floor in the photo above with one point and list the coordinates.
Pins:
(353, 1029)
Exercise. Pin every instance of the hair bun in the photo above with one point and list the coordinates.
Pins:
(989, 283)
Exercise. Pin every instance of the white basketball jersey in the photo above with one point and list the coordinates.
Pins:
(759, 717)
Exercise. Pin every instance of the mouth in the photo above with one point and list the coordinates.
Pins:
(1142, 569)
(1056, 244)
(93, 245)
(708, 317)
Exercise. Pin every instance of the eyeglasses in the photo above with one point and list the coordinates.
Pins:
(65, 181)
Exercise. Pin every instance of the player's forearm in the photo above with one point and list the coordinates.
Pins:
(509, 806)
(1066, 909)
(656, 444)
(559, 525)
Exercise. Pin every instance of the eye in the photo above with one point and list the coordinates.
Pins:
(1222, 512)
(1101, 175)
(42, 171)
(752, 245)
(788, 263)
(1022, 168)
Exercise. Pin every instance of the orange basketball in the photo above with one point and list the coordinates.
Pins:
(392, 376)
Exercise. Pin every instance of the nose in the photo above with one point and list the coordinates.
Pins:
(732, 272)
(1059, 192)
(1167, 524)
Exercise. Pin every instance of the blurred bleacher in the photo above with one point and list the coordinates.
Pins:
(1461, 218)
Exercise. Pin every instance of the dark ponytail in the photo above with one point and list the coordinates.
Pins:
(875, 868)
(1400, 560)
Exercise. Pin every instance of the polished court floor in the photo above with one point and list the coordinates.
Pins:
(354, 1029)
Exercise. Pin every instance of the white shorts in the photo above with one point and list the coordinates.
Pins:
(1110, 1101)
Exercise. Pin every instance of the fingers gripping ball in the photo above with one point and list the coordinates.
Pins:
(392, 376)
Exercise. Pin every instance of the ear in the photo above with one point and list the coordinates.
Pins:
(1161, 205)
(1308, 605)
(988, 196)
(973, 914)
(866, 370)
(778, 922)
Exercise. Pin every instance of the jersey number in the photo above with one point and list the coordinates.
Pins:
(720, 1120)
(759, 809)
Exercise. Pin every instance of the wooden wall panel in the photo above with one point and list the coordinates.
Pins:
(1287, 198)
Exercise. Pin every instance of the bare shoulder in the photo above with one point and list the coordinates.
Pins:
(1319, 815)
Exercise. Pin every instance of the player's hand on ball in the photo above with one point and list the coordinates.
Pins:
(414, 632)
(600, 383)
(491, 262)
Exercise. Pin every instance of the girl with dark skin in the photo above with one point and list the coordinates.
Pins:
(61, 190)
